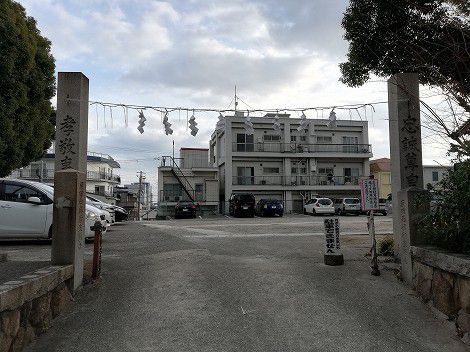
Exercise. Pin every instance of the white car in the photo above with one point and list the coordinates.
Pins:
(319, 206)
(108, 208)
(26, 209)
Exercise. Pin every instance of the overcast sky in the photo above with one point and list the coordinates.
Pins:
(192, 53)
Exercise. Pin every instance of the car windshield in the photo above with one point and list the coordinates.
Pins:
(351, 201)
(246, 198)
(324, 201)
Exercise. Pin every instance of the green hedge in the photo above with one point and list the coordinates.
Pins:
(448, 223)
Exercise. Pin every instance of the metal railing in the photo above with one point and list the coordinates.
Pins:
(167, 196)
(296, 180)
(102, 176)
(48, 174)
(179, 175)
(301, 148)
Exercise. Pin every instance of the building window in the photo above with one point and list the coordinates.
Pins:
(293, 138)
(435, 176)
(351, 175)
(270, 170)
(271, 138)
(172, 192)
(245, 176)
(245, 143)
(303, 170)
(324, 139)
(293, 170)
(303, 138)
(325, 170)
(350, 144)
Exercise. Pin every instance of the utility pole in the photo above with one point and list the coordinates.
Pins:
(139, 195)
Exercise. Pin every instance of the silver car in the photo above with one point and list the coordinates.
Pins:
(345, 206)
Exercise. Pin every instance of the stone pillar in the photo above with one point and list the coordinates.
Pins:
(70, 173)
(413, 204)
(405, 157)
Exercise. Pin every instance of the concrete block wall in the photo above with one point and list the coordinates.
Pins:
(443, 280)
(28, 305)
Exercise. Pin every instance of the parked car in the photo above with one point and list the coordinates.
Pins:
(26, 209)
(319, 206)
(120, 214)
(269, 207)
(109, 208)
(383, 206)
(185, 210)
(242, 204)
(348, 206)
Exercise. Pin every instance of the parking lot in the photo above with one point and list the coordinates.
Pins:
(252, 284)
(216, 226)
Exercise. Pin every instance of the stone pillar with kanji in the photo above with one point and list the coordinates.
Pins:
(406, 166)
(71, 138)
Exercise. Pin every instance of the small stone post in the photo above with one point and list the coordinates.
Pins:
(406, 164)
(70, 173)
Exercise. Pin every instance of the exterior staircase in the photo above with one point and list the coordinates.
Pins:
(182, 180)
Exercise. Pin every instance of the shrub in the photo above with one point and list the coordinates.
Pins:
(385, 246)
(447, 225)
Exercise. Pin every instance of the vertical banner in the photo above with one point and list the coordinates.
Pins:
(369, 194)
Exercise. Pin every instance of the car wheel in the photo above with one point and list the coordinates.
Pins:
(314, 213)
(305, 211)
(280, 215)
(384, 213)
(49, 235)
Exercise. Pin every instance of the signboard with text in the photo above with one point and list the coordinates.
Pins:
(369, 194)
(332, 245)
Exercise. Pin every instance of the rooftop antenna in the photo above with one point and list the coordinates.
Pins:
(236, 100)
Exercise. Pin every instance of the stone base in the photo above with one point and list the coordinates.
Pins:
(333, 259)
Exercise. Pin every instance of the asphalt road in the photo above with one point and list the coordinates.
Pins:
(242, 285)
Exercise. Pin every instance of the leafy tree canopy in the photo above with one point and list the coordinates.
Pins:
(429, 37)
(27, 83)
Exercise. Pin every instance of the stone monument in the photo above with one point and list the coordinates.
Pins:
(406, 165)
(70, 173)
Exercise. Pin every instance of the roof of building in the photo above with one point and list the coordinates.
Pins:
(378, 165)
(202, 149)
(93, 157)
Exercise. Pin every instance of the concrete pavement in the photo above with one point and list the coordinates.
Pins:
(180, 286)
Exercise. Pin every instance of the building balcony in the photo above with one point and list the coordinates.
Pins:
(262, 147)
(294, 180)
(48, 175)
(102, 176)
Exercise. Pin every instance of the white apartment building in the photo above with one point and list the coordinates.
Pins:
(100, 179)
(190, 178)
(432, 174)
(291, 166)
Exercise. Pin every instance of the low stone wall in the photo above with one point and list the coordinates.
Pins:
(443, 279)
(28, 305)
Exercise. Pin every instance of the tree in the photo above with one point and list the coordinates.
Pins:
(429, 37)
(27, 83)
